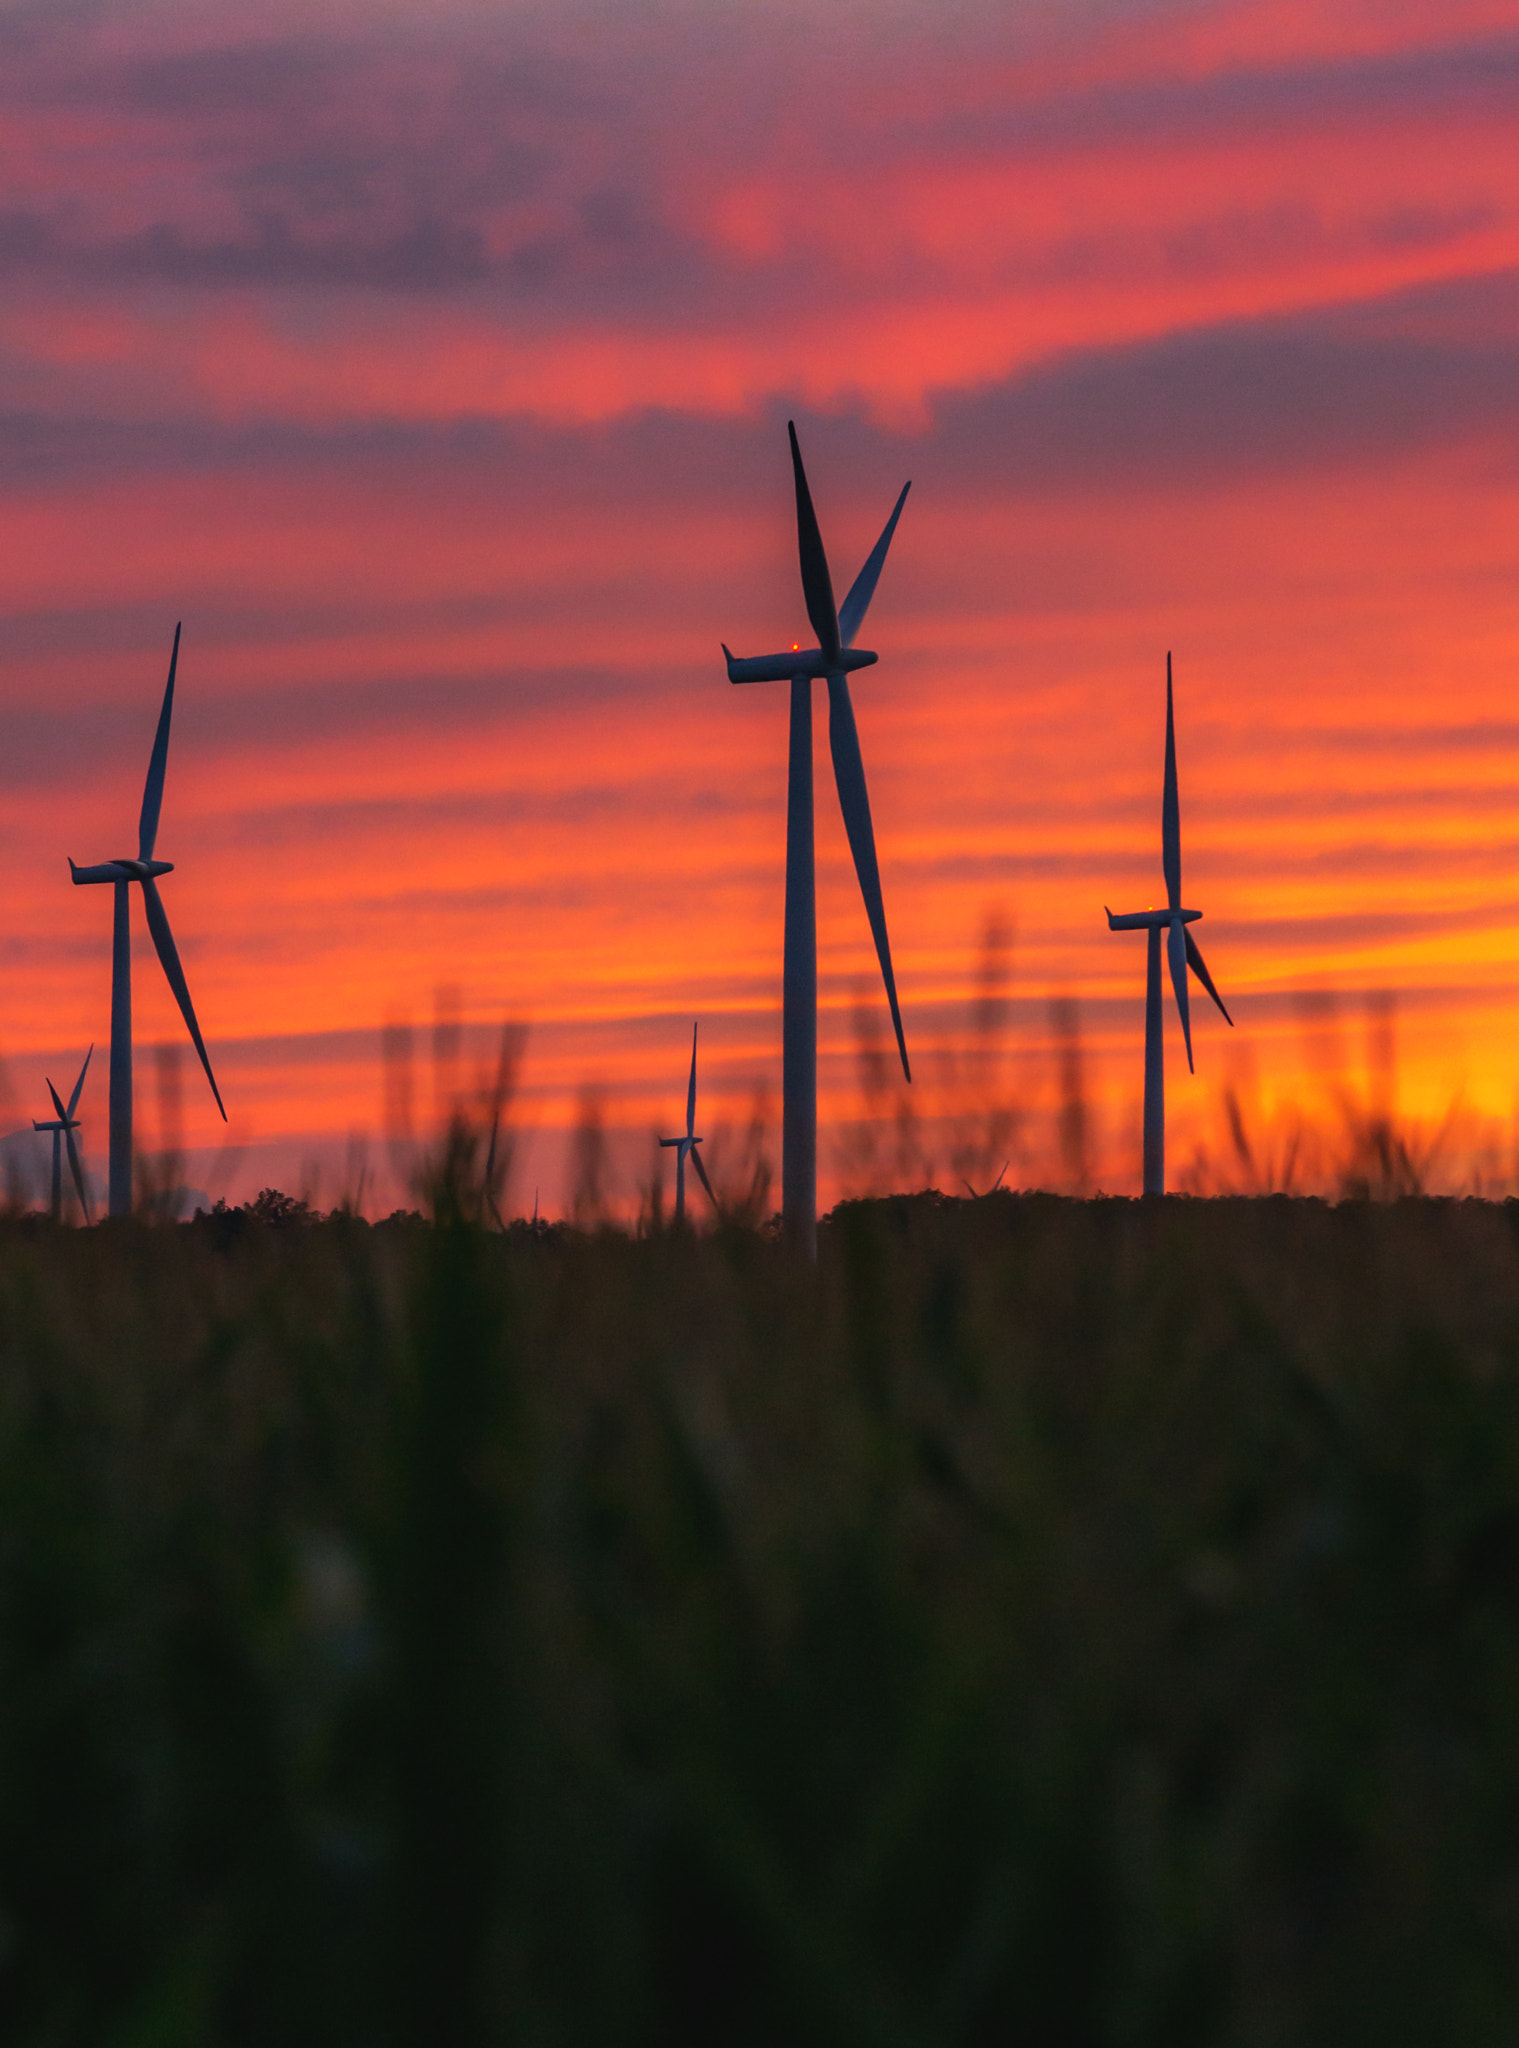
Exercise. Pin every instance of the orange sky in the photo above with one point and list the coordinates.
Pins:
(433, 364)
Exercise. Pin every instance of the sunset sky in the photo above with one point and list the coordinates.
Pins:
(432, 363)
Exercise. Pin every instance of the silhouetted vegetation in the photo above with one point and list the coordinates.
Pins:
(1049, 1621)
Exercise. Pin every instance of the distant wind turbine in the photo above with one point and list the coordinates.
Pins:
(833, 658)
(996, 1184)
(63, 1127)
(688, 1144)
(1182, 951)
(123, 873)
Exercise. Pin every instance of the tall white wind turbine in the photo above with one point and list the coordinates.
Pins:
(687, 1145)
(63, 1126)
(1182, 952)
(833, 659)
(123, 873)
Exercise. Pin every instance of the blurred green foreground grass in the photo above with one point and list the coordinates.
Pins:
(1046, 1622)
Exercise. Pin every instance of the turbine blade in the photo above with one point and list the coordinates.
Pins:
(817, 584)
(63, 1115)
(863, 589)
(701, 1174)
(1176, 949)
(1170, 810)
(854, 802)
(691, 1091)
(78, 1172)
(79, 1084)
(153, 791)
(163, 939)
(1195, 962)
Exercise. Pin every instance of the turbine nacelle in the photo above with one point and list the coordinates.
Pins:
(1148, 920)
(800, 661)
(121, 871)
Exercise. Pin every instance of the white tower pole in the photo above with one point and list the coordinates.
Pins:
(799, 1002)
(1155, 1072)
(121, 1054)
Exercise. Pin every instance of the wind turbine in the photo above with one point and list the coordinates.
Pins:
(834, 657)
(1182, 952)
(688, 1144)
(123, 873)
(63, 1127)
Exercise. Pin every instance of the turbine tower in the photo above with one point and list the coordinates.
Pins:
(833, 659)
(123, 873)
(688, 1144)
(1182, 952)
(63, 1126)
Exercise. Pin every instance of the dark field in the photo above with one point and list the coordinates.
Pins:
(1046, 1622)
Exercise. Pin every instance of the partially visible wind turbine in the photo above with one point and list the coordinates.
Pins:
(123, 873)
(1182, 952)
(688, 1144)
(63, 1127)
(833, 658)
